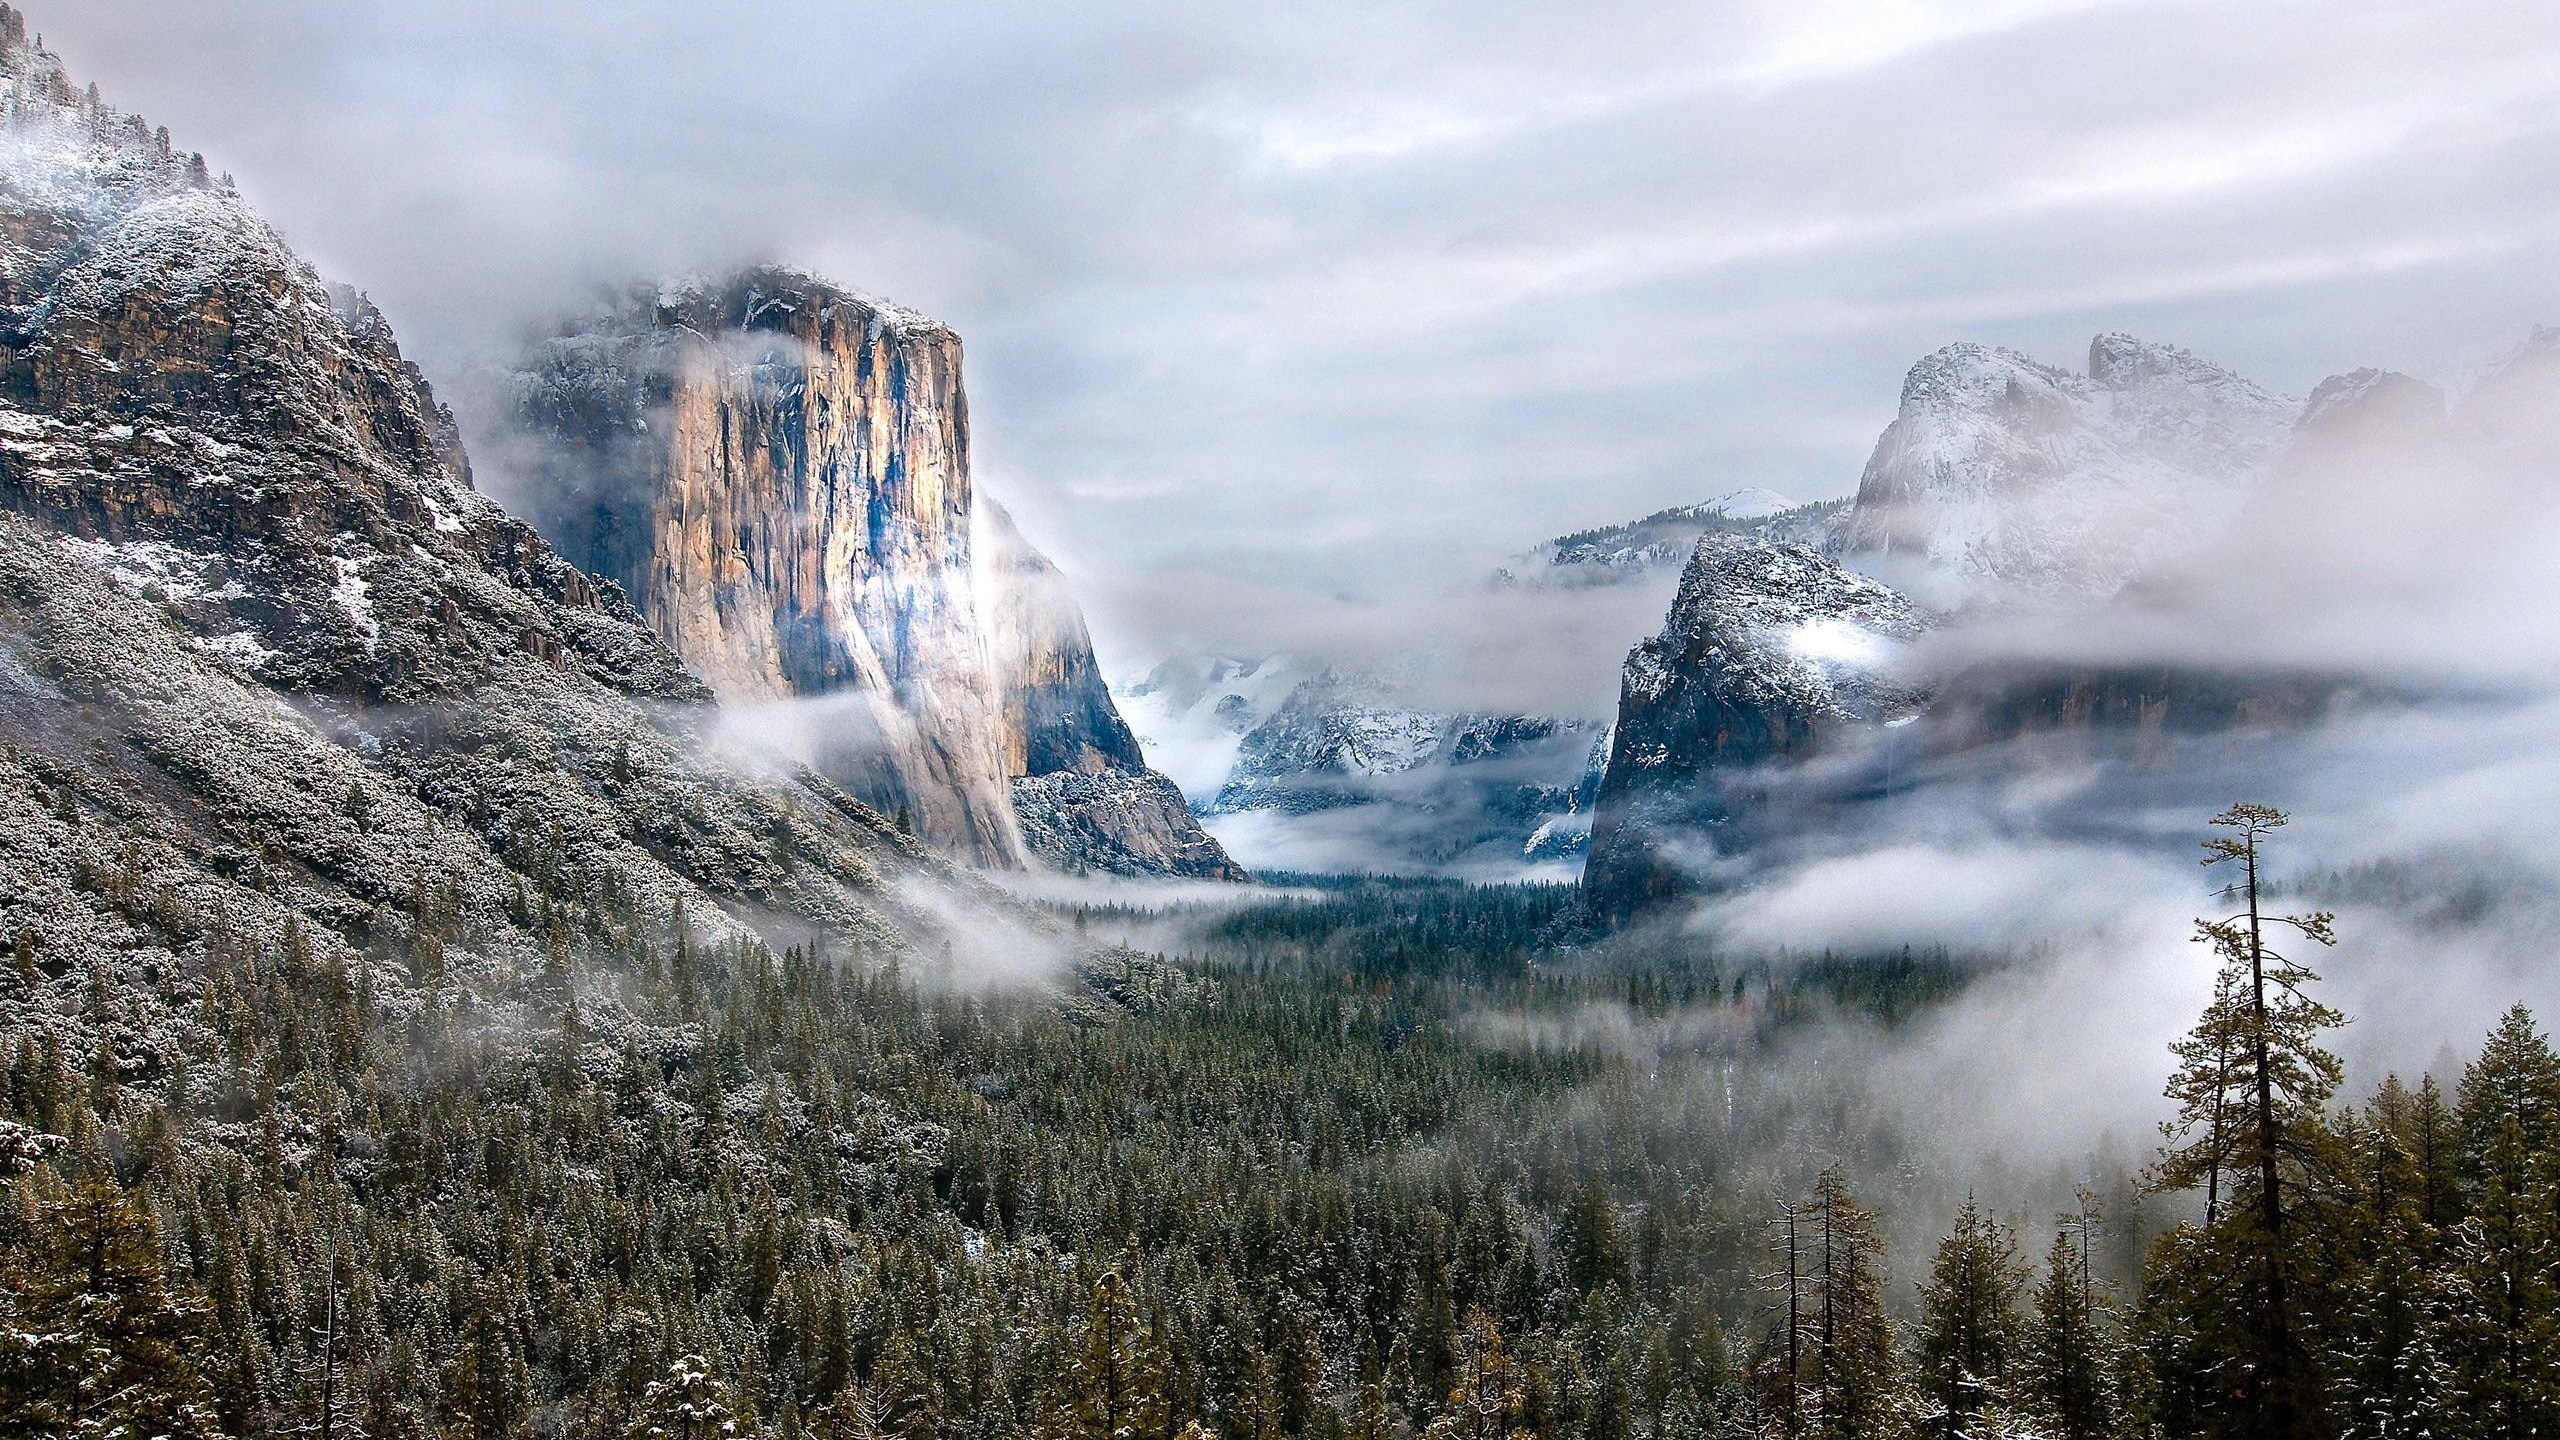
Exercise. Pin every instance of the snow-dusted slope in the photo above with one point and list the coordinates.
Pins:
(269, 659)
(2004, 480)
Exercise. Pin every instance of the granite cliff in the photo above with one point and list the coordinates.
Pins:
(2003, 480)
(776, 471)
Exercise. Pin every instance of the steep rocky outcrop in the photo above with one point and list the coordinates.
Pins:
(2007, 481)
(2156, 567)
(1773, 656)
(2003, 488)
(1121, 822)
(273, 674)
(1081, 789)
(1058, 714)
(776, 471)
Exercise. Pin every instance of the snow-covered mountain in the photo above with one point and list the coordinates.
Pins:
(776, 470)
(2002, 485)
(2004, 480)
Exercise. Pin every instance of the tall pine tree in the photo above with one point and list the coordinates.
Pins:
(2251, 1085)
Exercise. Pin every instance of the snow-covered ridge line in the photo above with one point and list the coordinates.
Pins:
(2006, 480)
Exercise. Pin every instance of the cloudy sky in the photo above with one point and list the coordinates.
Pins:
(1280, 310)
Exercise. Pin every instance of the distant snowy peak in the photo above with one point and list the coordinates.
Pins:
(2003, 479)
(1299, 763)
(1749, 503)
(1661, 541)
(2368, 397)
(1333, 726)
(1192, 712)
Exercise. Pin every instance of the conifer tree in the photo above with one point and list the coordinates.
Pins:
(1595, 1240)
(687, 1403)
(2386, 1370)
(2072, 1368)
(1118, 1379)
(1487, 1398)
(1852, 1390)
(1968, 1328)
(2503, 1323)
(2516, 1081)
(95, 1340)
(2251, 1085)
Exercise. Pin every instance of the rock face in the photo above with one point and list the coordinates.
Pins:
(776, 473)
(1081, 789)
(2148, 564)
(1058, 714)
(776, 470)
(272, 663)
(2007, 481)
(2003, 487)
(1773, 655)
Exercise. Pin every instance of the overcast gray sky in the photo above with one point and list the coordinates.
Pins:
(1276, 308)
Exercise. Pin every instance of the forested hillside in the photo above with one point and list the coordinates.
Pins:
(1292, 1177)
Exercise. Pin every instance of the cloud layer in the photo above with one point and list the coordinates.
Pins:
(1297, 311)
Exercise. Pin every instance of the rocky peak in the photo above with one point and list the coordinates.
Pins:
(1058, 713)
(1773, 623)
(1772, 653)
(2370, 400)
(2005, 480)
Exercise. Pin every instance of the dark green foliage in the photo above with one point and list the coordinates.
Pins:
(93, 1338)
(1287, 1179)
(1966, 1353)
(2072, 1368)
(843, 1202)
(2251, 1087)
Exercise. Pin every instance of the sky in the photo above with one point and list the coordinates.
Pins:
(1278, 316)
